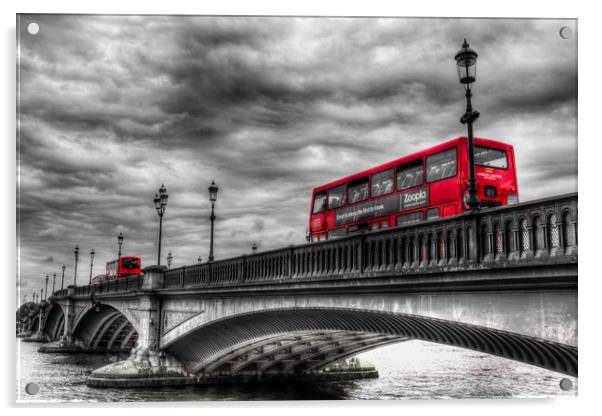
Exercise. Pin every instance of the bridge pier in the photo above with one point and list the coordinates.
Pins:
(39, 335)
(67, 343)
(146, 365)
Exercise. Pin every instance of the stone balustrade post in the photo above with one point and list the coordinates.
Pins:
(153, 277)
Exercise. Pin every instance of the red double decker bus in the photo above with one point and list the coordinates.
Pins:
(123, 267)
(425, 185)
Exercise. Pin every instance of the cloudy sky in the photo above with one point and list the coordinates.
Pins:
(111, 107)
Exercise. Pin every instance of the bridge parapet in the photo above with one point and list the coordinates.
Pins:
(536, 232)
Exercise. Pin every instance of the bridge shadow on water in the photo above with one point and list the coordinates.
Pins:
(411, 370)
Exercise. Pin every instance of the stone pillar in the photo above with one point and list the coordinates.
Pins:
(69, 311)
(147, 365)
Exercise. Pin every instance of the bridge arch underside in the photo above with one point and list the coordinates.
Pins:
(54, 326)
(105, 329)
(35, 323)
(302, 340)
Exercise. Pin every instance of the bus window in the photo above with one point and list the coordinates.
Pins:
(441, 165)
(409, 175)
(319, 202)
(411, 218)
(337, 233)
(492, 158)
(130, 263)
(432, 213)
(336, 197)
(358, 190)
(382, 183)
(358, 228)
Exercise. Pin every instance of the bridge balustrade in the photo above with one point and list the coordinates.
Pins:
(127, 284)
(60, 293)
(544, 229)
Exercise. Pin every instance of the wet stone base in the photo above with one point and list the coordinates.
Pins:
(37, 337)
(175, 380)
(60, 347)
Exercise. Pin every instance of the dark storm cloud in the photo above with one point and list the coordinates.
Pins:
(111, 107)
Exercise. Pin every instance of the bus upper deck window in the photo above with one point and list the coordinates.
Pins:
(410, 175)
(358, 190)
(492, 158)
(441, 165)
(336, 197)
(382, 183)
(319, 202)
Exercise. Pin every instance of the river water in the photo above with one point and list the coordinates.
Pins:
(409, 370)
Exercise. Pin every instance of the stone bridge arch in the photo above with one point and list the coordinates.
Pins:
(54, 324)
(35, 323)
(303, 339)
(104, 327)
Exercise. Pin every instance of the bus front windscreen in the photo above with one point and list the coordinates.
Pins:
(130, 264)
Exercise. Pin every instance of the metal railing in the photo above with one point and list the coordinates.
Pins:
(538, 231)
(128, 284)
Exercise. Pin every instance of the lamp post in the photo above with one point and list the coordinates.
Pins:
(160, 204)
(199, 260)
(76, 252)
(254, 248)
(169, 259)
(63, 277)
(92, 253)
(119, 243)
(53, 281)
(212, 197)
(466, 64)
(46, 290)
(41, 295)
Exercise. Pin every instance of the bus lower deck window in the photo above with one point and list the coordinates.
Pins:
(411, 218)
(432, 213)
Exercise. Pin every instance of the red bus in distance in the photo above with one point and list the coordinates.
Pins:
(425, 185)
(123, 267)
(99, 278)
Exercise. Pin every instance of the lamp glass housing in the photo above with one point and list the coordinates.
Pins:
(213, 192)
(466, 64)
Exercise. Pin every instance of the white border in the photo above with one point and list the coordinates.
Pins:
(589, 165)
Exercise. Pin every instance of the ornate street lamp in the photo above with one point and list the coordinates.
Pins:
(199, 260)
(62, 276)
(53, 281)
(254, 248)
(76, 252)
(169, 259)
(160, 204)
(92, 253)
(119, 243)
(46, 290)
(41, 295)
(212, 197)
(466, 63)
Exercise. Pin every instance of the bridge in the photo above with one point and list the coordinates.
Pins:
(501, 281)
